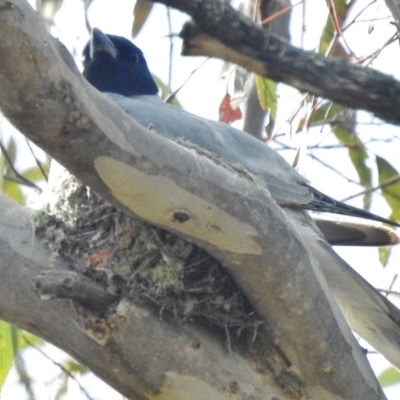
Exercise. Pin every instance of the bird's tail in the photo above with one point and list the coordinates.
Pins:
(325, 203)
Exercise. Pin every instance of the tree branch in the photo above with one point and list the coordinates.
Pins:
(222, 32)
(77, 287)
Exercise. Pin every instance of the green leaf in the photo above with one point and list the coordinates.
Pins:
(62, 387)
(8, 187)
(141, 12)
(11, 152)
(389, 377)
(391, 192)
(12, 149)
(326, 113)
(13, 191)
(358, 156)
(384, 254)
(341, 9)
(2, 170)
(48, 9)
(73, 366)
(10, 338)
(27, 339)
(34, 174)
(266, 89)
(165, 92)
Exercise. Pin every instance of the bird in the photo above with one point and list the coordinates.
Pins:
(117, 67)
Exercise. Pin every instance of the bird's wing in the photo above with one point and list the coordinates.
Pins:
(368, 312)
(232, 146)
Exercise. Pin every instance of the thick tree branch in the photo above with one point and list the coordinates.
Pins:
(224, 33)
(157, 180)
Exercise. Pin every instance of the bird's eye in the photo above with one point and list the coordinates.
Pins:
(134, 58)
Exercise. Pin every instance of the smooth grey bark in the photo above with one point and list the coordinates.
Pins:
(254, 115)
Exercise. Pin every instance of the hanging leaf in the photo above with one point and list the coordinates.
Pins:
(35, 174)
(358, 156)
(73, 366)
(326, 113)
(9, 343)
(338, 10)
(10, 188)
(165, 92)
(12, 149)
(384, 255)
(389, 179)
(141, 12)
(389, 377)
(227, 113)
(62, 383)
(266, 89)
(13, 191)
(28, 339)
(11, 152)
(48, 9)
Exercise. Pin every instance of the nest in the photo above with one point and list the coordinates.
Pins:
(141, 262)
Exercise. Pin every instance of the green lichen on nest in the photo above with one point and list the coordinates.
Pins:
(141, 262)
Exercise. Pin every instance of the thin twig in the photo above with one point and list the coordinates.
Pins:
(38, 163)
(171, 47)
(333, 169)
(338, 29)
(65, 370)
(280, 12)
(27, 182)
(389, 182)
(357, 15)
(169, 98)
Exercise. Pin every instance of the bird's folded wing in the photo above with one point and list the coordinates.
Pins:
(234, 148)
(368, 312)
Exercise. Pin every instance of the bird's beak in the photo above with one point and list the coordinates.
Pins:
(101, 43)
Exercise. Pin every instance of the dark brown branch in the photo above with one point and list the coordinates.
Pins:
(73, 286)
(224, 33)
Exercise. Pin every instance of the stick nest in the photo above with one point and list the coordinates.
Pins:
(141, 262)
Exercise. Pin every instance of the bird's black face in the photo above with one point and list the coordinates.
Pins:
(114, 64)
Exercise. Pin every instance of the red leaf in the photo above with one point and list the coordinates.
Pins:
(226, 113)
